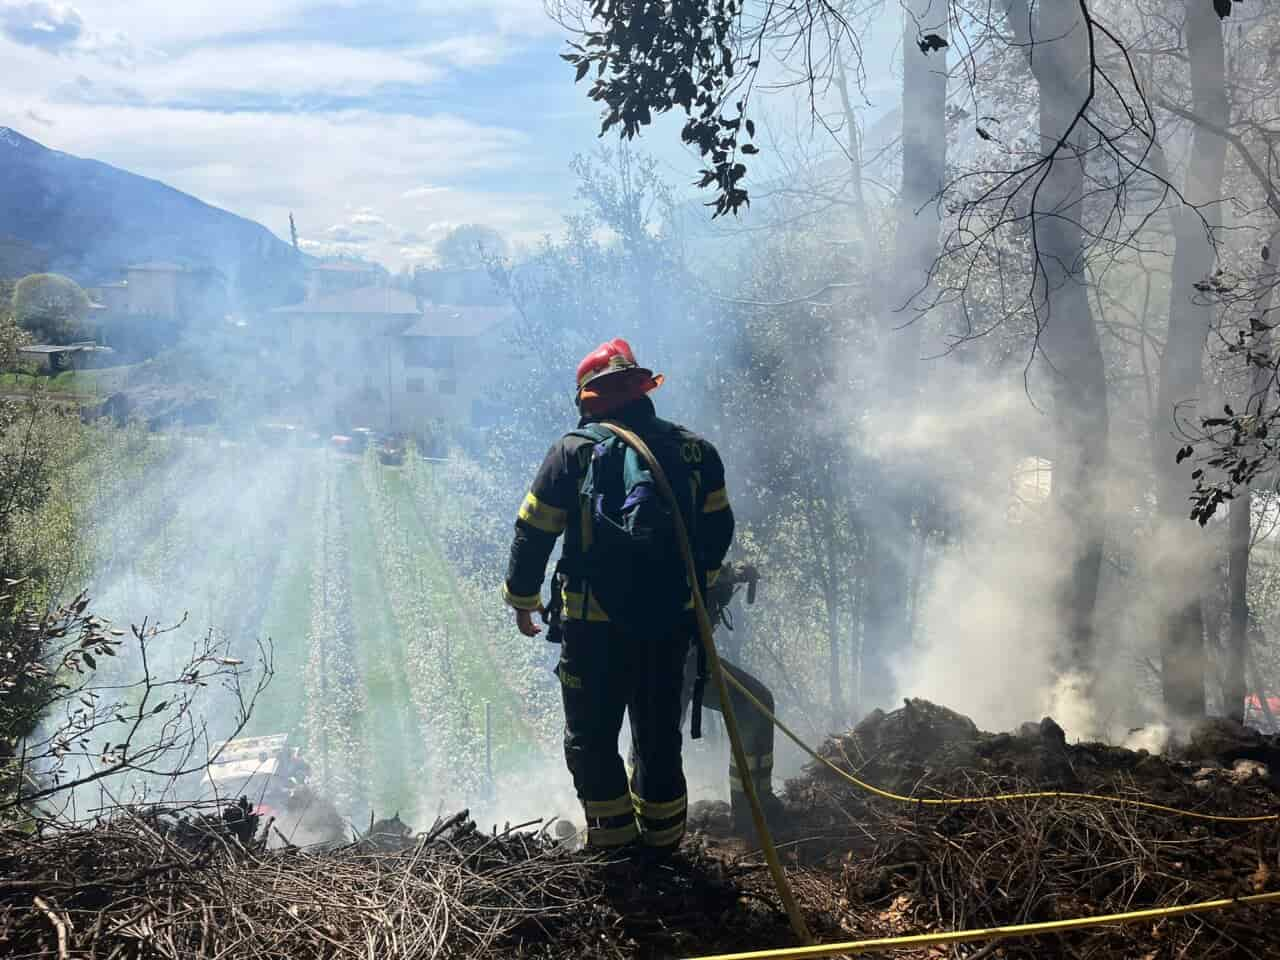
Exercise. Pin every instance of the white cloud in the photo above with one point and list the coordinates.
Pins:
(342, 168)
(326, 248)
(341, 233)
(471, 50)
(284, 70)
(176, 92)
(164, 24)
(41, 24)
(524, 17)
(417, 193)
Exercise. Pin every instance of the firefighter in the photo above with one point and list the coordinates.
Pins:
(754, 727)
(607, 667)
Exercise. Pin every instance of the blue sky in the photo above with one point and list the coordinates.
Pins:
(379, 124)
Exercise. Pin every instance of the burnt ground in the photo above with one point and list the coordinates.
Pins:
(144, 884)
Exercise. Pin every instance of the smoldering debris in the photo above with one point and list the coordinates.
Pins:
(860, 866)
(1038, 859)
(924, 750)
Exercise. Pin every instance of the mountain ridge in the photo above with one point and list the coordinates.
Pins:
(90, 220)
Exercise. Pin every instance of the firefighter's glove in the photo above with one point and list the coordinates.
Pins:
(525, 622)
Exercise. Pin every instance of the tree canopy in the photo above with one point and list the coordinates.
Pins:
(51, 307)
(468, 246)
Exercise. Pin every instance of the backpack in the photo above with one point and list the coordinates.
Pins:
(632, 553)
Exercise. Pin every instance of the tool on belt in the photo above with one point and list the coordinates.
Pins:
(717, 600)
(553, 613)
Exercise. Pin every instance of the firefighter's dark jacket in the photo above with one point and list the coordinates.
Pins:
(553, 507)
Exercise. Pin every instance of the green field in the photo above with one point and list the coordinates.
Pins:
(80, 383)
(384, 659)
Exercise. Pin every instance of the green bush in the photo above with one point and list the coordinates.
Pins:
(51, 307)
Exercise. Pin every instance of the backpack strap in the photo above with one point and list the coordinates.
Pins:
(595, 432)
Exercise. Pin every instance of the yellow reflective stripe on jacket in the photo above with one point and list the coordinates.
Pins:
(713, 576)
(612, 836)
(663, 838)
(716, 500)
(573, 608)
(618, 806)
(663, 810)
(531, 602)
(543, 516)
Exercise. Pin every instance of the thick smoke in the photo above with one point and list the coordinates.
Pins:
(989, 640)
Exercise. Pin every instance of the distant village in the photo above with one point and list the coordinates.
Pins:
(357, 351)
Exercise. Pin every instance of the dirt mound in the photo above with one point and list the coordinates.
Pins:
(902, 867)
(926, 750)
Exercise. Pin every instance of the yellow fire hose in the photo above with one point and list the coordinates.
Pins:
(798, 925)
(854, 947)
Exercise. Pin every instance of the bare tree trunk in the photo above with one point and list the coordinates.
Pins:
(1058, 53)
(1234, 687)
(853, 149)
(1181, 374)
(821, 532)
(924, 146)
(833, 668)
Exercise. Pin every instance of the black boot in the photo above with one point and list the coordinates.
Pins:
(772, 808)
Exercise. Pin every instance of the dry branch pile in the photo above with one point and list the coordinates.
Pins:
(137, 887)
(919, 868)
(134, 887)
(146, 885)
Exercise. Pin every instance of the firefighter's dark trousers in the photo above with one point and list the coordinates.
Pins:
(754, 727)
(603, 671)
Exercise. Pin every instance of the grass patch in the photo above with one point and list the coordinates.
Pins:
(479, 672)
(81, 383)
(392, 738)
(287, 619)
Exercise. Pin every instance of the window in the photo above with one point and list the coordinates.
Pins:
(435, 353)
(449, 386)
(415, 385)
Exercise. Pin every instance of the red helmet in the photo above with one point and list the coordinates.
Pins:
(609, 377)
